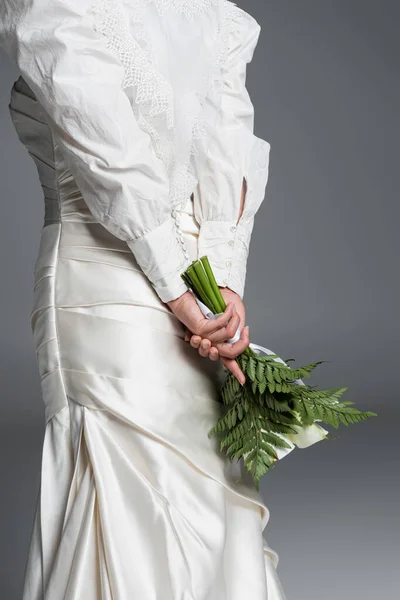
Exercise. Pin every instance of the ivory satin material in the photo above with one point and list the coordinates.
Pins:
(135, 502)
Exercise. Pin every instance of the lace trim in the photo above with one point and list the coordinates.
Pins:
(190, 8)
(233, 17)
(153, 96)
(152, 89)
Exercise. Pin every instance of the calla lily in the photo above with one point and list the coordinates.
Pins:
(307, 435)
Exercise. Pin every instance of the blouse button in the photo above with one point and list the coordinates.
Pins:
(231, 242)
(228, 263)
(233, 228)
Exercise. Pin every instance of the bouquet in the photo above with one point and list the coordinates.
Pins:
(274, 410)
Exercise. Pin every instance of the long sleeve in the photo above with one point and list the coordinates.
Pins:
(234, 153)
(78, 81)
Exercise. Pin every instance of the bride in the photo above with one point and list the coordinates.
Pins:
(138, 119)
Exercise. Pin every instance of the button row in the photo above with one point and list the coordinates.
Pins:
(176, 215)
(231, 243)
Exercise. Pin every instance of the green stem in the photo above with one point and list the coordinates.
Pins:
(197, 284)
(220, 301)
(203, 277)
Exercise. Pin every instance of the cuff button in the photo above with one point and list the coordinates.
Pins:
(231, 242)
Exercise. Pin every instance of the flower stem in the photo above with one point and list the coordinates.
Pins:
(197, 285)
(220, 304)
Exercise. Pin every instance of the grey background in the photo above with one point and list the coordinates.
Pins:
(322, 284)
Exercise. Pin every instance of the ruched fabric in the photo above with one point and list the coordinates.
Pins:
(135, 501)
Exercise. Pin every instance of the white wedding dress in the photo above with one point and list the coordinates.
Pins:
(136, 502)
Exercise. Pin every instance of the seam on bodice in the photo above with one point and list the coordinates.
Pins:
(30, 122)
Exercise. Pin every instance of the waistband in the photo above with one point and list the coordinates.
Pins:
(52, 213)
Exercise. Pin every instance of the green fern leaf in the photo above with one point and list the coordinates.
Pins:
(251, 368)
(262, 386)
(260, 371)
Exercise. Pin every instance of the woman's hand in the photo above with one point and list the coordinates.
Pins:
(216, 331)
(223, 351)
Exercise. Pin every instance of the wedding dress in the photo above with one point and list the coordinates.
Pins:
(140, 175)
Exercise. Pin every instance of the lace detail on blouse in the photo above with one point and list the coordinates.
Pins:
(173, 115)
(152, 89)
(190, 8)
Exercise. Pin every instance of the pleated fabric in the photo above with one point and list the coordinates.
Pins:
(135, 501)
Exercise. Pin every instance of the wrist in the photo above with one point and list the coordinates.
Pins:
(177, 301)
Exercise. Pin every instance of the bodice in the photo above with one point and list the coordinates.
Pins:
(59, 187)
(61, 193)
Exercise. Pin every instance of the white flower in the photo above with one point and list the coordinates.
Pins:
(307, 435)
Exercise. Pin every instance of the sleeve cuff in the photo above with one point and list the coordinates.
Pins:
(162, 257)
(226, 244)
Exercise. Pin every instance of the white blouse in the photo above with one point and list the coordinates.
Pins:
(147, 100)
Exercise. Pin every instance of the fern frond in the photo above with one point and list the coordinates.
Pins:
(273, 402)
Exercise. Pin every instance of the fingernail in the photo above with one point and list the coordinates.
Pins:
(247, 328)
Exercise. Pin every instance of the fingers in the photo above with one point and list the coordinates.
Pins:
(229, 350)
(195, 341)
(213, 353)
(233, 366)
(222, 349)
(204, 347)
(222, 327)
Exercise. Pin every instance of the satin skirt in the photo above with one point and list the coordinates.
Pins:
(135, 501)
